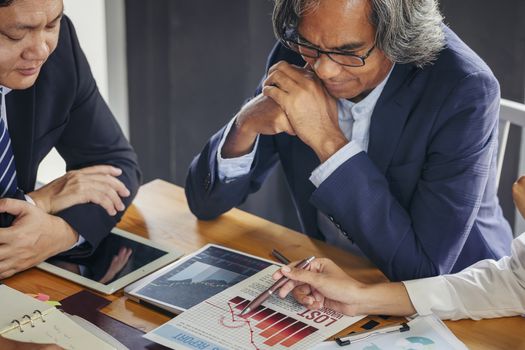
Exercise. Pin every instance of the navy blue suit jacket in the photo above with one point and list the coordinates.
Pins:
(64, 109)
(422, 200)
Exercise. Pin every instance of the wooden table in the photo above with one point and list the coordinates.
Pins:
(160, 213)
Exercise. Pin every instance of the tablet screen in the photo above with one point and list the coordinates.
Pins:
(115, 257)
(200, 276)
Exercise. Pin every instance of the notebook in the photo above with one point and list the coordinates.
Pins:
(26, 319)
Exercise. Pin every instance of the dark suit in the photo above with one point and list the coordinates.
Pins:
(64, 109)
(422, 200)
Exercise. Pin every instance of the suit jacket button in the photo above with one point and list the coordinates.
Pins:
(331, 218)
(207, 182)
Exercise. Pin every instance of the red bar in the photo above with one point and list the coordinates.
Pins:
(277, 327)
(242, 305)
(270, 320)
(285, 333)
(236, 300)
(299, 336)
(251, 313)
(263, 314)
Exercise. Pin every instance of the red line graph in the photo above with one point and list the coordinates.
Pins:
(276, 327)
(236, 319)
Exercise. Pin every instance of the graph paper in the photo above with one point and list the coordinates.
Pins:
(277, 324)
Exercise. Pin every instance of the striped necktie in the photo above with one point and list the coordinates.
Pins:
(8, 183)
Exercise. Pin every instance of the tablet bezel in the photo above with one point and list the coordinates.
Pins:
(120, 283)
(132, 290)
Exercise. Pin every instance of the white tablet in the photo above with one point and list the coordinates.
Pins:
(120, 259)
(196, 277)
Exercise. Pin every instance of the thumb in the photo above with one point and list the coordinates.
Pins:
(12, 206)
(300, 275)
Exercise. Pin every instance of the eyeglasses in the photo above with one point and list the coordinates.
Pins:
(343, 58)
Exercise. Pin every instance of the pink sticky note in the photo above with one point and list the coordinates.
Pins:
(42, 297)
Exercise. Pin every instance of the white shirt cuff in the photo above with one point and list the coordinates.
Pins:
(430, 295)
(324, 170)
(79, 242)
(29, 199)
(231, 168)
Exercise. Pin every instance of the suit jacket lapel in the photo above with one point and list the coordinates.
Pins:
(390, 114)
(20, 106)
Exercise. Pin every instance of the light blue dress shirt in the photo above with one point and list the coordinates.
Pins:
(354, 122)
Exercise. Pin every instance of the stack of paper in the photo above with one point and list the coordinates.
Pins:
(276, 324)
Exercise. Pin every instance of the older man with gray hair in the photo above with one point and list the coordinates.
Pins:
(386, 126)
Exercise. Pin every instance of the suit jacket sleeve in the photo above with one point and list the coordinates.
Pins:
(208, 196)
(426, 238)
(486, 289)
(92, 137)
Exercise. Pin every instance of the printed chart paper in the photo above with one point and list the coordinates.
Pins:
(277, 324)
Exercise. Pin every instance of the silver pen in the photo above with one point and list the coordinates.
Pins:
(355, 337)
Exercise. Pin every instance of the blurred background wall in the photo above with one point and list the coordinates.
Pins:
(175, 71)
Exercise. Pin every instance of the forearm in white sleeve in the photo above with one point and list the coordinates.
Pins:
(486, 289)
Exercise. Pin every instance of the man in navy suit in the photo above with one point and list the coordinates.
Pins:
(386, 126)
(50, 99)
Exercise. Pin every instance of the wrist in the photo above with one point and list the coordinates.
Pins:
(242, 126)
(41, 202)
(68, 236)
(240, 139)
(385, 299)
(329, 146)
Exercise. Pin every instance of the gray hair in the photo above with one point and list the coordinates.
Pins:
(407, 31)
(5, 3)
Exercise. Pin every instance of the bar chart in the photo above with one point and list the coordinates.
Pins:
(276, 327)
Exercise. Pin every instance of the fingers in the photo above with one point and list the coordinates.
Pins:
(108, 200)
(124, 253)
(518, 189)
(297, 277)
(277, 274)
(518, 194)
(287, 288)
(7, 273)
(106, 174)
(276, 94)
(13, 206)
(101, 169)
(101, 189)
(303, 275)
(129, 251)
(7, 268)
(280, 80)
(297, 74)
(112, 184)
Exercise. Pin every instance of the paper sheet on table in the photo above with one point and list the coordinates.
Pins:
(425, 333)
(277, 324)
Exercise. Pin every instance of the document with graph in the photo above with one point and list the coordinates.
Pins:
(215, 324)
